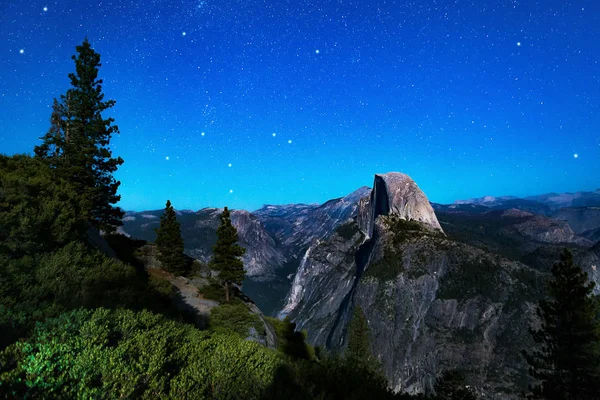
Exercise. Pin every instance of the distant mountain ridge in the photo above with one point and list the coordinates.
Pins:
(551, 201)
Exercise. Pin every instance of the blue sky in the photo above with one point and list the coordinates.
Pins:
(242, 103)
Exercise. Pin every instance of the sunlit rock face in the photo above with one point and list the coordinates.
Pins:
(432, 304)
(395, 193)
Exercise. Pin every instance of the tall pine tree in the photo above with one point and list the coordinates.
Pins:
(226, 253)
(359, 346)
(567, 363)
(77, 144)
(170, 243)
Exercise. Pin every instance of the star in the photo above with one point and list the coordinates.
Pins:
(317, 51)
(518, 43)
(45, 9)
(22, 51)
(289, 141)
(229, 165)
(230, 190)
(274, 134)
(183, 33)
(202, 134)
(575, 155)
(167, 158)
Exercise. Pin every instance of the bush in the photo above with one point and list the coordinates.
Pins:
(38, 212)
(36, 287)
(126, 354)
(235, 317)
(291, 342)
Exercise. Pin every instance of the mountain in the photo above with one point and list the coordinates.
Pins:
(275, 237)
(442, 286)
(585, 221)
(437, 294)
(296, 226)
(540, 204)
(487, 200)
(198, 230)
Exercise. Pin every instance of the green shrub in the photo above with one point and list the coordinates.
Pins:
(291, 342)
(38, 212)
(214, 291)
(235, 317)
(126, 354)
(347, 230)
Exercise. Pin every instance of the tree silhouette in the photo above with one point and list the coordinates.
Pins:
(226, 253)
(567, 363)
(77, 143)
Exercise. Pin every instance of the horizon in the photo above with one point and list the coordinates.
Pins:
(244, 103)
(196, 209)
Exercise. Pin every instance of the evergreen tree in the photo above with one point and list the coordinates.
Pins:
(226, 253)
(451, 385)
(567, 364)
(359, 347)
(169, 242)
(77, 144)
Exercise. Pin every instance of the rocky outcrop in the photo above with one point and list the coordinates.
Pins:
(585, 221)
(395, 193)
(543, 229)
(189, 299)
(296, 226)
(432, 303)
(199, 232)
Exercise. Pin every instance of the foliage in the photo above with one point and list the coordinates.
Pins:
(359, 351)
(124, 354)
(347, 230)
(332, 378)
(291, 342)
(234, 317)
(77, 144)
(567, 363)
(389, 267)
(38, 212)
(392, 263)
(471, 277)
(359, 347)
(44, 285)
(170, 243)
(451, 385)
(226, 254)
(213, 291)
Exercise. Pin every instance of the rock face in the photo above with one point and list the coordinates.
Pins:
(395, 193)
(585, 221)
(198, 230)
(275, 238)
(432, 303)
(296, 226)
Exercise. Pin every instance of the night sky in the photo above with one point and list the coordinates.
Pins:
(242, 103)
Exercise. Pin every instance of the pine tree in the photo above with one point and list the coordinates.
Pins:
(359, 347)
(567, 363)
(77, 144)
(226, 253)
(169, 242)
(451, 385)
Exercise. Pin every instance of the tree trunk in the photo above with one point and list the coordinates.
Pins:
(227, 291)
